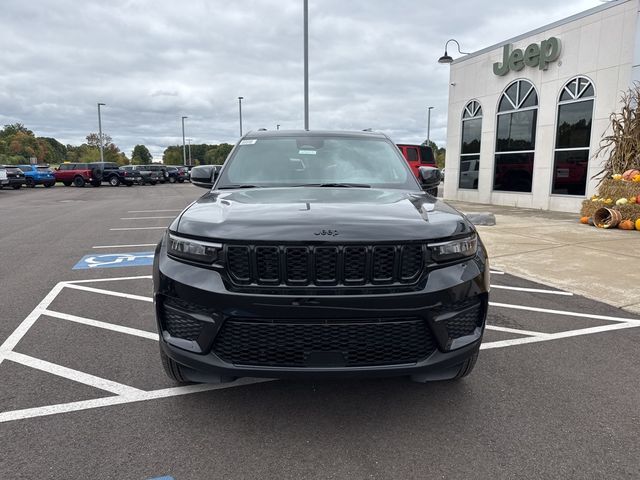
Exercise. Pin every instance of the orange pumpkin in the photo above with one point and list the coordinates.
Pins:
(638, 224)
(626, 225)
(584, 220)
(629, 174)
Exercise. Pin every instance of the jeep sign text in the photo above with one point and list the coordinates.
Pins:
(533, 56)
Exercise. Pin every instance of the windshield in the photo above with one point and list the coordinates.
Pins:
(317, 160)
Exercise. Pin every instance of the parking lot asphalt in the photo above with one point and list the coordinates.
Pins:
(82, 394)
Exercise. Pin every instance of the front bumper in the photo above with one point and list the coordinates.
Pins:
(427, 331)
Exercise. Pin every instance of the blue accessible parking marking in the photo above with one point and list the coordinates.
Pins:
(114, 260)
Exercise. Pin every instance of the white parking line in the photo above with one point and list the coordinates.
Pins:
(144, 218)
(71, 374)
(137, 228)
(97, 323)
(126, 246)
(112, 279)
(514, 330)
(120, 399)
(565, 312)
(8, 345)
(555, 336)
(495, 272)
(110, 292)
(532, 290)
(154, 211)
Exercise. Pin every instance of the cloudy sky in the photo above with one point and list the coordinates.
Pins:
(373, 63)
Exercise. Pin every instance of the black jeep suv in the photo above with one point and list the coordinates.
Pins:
(318, 254)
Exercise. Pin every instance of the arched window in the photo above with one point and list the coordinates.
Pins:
(516, 138)
(573, 137)
(470, 148)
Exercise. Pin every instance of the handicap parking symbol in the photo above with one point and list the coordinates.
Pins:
(114, 260)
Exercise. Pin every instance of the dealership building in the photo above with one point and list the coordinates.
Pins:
(526, 116)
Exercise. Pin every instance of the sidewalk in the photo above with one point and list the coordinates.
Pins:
(553, 248)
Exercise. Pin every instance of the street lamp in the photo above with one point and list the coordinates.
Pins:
(446, 58)
(429, 125)
(184, 149)
(306, 63)
(100, 132)
(240, 112)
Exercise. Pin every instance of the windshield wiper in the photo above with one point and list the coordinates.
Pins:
(338, 185)
(229, 187)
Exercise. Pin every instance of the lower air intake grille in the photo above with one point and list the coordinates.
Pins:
(347, 343)
(178, 323)
(464, 323)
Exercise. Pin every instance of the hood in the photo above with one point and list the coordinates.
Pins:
(312, 214)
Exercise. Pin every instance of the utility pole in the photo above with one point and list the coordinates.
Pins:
(189, 153)
(429, 125)
(306, 64)
(240, 112)
(100, 133)
(184, 149)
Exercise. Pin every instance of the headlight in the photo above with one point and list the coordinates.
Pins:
(454, 250)
(194, 250)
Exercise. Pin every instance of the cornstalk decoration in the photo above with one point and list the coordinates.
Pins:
(623, 143)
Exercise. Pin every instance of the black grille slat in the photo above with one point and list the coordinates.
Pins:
(268, 264)
(383, 263)
(411, 262)
(325, 265)
(297, 264)
(239, 264)
(292, 343)
(355, 264)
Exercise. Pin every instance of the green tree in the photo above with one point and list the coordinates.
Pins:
(141, 155)
(439, 153)
(172, 155)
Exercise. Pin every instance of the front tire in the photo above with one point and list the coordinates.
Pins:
(114, 181)
(17, 187)
(172, 369)
(30, 182)
(66, 184)
(79, 182)
(49, 185)
(172, 179)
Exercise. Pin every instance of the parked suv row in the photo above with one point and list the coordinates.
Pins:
(95, 173)
(14, 177)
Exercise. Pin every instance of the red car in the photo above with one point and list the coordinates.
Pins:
(417, 156)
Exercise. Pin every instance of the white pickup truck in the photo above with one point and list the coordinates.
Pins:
(3, 177)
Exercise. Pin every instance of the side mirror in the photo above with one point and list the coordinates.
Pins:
(430, 178)
(204, 176)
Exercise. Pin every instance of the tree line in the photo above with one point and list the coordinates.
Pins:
(19, 145)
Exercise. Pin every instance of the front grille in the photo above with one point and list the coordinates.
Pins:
(325, 265)
(178, 323)
(335, 343)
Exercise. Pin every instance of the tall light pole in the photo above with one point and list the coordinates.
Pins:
(184, 148)
(306, 64)
(240, 112)
(429, 125)
(189, 152)
(278, 127)
(100, 132)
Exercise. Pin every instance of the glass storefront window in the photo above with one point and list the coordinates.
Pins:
(573, 138)
(516, 138)
(470, 148)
